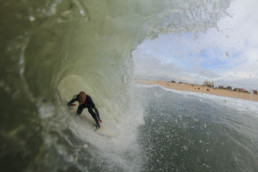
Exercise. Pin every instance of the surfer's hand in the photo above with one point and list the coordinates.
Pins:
(100, 120)
(73, 104)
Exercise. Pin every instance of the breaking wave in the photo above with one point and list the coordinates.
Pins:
(57, 48)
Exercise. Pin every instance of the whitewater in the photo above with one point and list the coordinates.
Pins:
(51, 50)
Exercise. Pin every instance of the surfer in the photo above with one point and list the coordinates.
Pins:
(85, 101)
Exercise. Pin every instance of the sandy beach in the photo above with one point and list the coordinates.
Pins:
(200, 89)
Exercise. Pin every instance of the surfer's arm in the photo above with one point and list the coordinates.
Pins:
(93, 106)
(70, 103)
(96, 111)
(97, 114)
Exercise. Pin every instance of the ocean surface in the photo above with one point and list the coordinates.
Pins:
(52, 49)
(196, 132)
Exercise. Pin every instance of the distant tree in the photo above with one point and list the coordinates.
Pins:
(208, 84)
(229, 88)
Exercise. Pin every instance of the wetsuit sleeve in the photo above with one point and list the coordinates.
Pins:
(92, 105)
(73, 100)
(97, 112)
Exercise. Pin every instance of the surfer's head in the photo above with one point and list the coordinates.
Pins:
(82, 97)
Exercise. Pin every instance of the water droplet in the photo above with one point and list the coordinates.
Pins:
(32, 18)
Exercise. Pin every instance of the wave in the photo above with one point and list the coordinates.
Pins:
(58, 48)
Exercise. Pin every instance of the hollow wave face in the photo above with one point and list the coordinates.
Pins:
(57, 48)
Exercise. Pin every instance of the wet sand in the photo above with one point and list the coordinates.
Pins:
(200, 89)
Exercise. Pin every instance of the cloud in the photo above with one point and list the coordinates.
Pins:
(227, 54)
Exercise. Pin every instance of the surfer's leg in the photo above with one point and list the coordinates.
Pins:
(97, 112)
(94, 116)
(79, 110)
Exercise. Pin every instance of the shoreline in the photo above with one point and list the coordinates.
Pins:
(200, 89)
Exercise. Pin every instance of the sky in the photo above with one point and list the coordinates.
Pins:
(226, 55)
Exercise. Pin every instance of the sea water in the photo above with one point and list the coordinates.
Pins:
(51, 50)
(192, 132)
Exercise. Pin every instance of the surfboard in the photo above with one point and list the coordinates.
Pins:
(104, 130)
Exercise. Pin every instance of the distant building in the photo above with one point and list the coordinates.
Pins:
(244, 91)
(255, 92)
(237, 89)
(240, 90)
(208, 84)
(220, 87)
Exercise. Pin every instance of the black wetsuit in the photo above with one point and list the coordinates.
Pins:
(87, 104)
